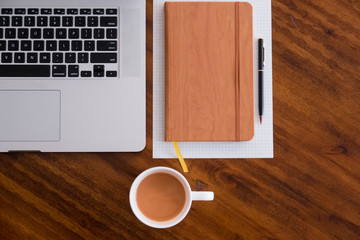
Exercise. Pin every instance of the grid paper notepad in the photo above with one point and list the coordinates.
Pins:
(261, 146)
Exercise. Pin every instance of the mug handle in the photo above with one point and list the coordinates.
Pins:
(202, 196)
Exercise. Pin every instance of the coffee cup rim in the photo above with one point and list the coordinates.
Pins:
(157, 224)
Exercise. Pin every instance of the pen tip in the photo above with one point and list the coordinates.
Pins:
(260, 119)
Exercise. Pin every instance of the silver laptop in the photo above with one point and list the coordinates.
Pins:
(72, 75)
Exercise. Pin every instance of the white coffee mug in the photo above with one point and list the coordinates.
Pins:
(190, 196)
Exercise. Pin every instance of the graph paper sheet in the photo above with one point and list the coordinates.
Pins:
(261, 146)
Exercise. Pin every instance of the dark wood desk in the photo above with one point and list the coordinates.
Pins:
(310, 190)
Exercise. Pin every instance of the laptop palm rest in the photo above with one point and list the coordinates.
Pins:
(30, 116)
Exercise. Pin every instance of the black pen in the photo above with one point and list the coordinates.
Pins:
(261, 77)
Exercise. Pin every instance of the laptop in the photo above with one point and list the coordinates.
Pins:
(72, 75)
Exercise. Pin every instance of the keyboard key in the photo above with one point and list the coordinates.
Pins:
(107, 46)
(23, 33)
(61, 33)
(25, 45)
(103, 58)
(70, 58)
(46, 11)
(67, 21)
(111, 74)
(72, 11)
(98, 11)
(48, 33)
(99, 33)
(86, 33)
(33, 11)
(59, 70)
(32, 58)
(74, 33)
(89, 45)
(58, 58)
(35, 33)
(42, 21)
(111, 33)
(111, 11)
(13, 45)
(29, 21)
(16, 21)
(6, 11)
(6, 58)
(59, 11)
(2, 45)
(24, 70)
(51, 45)
(5, 21)
(19, 57)
(93, 21)
(1, 32)
(10, 33)
(64, 45)
(44, 57)
(55, 21)
(20, 11)
(85, 11)
(83, 58)
(108, 21)
(39, 46)
(85, 73)
(80, 21)
(99, 70)
(76, 46)
(73, 71)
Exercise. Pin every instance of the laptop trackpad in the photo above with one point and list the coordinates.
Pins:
(29, 116)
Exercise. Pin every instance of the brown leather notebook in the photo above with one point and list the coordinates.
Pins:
(209, 86)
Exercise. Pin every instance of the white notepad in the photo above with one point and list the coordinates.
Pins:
(261, 146)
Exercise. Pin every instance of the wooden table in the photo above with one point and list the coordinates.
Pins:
(310, 190)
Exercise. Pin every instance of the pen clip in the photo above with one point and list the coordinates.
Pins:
(263, 53)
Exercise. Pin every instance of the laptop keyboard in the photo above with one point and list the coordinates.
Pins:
(59, 42)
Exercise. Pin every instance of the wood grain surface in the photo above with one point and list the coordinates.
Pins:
(310, 190)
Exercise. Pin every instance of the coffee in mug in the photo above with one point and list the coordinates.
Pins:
(161, 197)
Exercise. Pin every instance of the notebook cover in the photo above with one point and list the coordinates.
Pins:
(209, 88)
